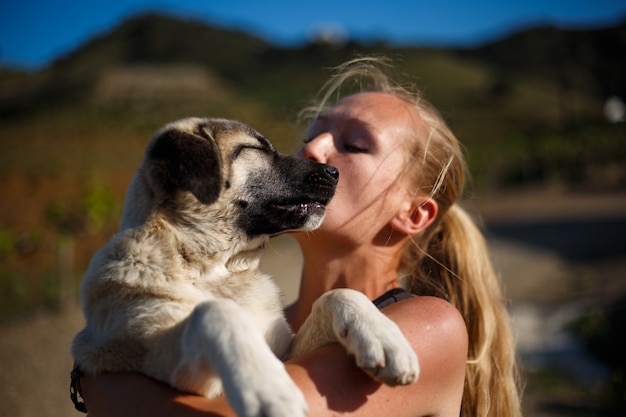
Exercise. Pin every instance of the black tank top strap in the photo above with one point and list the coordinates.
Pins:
(392, 296)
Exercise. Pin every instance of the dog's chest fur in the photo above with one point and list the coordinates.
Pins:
(157, 281)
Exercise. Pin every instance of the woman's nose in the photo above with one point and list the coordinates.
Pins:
(317, 148)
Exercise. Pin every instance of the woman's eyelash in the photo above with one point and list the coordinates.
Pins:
(352, 148)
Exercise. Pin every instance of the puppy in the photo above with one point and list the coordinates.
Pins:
(178, 295)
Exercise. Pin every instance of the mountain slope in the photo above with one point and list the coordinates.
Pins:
(591, 60)
(507, 98)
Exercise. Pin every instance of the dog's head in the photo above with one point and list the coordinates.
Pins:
(221, 171)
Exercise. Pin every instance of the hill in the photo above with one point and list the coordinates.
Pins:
(584, 61)
(590, 61)
(529, 109)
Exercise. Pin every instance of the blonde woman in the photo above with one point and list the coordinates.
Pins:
(395, 232)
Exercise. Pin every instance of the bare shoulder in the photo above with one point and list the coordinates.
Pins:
(435, 328)
(438, 334)
(426, 313)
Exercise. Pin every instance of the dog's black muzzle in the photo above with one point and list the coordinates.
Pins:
(292, 195)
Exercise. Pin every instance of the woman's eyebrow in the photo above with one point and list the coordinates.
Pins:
(346, 121)
(361, 124)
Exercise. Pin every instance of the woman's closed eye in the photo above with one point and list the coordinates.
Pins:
(352, 148)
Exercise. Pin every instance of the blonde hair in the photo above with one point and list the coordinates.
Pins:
(450, 259)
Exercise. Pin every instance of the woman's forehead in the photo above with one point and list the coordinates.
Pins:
(375, 107)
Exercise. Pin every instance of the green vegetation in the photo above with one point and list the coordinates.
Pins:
(528, 108)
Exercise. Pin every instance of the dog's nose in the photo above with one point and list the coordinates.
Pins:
(332, 171)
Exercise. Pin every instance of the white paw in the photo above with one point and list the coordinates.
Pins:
(380, 349)
(383, 352)
(272, 394)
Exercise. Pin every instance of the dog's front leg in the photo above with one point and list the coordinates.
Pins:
(349, 317)
(223, 338)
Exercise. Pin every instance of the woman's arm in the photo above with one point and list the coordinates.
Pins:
(132, 394)
(328, 377)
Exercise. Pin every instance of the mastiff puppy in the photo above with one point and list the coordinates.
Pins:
(178, 295)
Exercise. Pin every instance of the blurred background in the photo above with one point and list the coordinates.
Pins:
(535, 90)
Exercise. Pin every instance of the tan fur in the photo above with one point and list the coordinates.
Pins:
(178, 295)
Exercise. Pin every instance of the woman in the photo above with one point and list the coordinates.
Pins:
(394, 222)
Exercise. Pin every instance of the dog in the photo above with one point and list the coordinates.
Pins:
(178, 295)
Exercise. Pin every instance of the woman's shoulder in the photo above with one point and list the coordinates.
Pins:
(434, 327)
(438, 334)
(433, 311)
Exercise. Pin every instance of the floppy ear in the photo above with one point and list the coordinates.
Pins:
(415, 216)
(184, 161)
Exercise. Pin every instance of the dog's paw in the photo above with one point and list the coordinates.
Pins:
(268, 393)
(381, 350)
(375, 340)
(274, 401)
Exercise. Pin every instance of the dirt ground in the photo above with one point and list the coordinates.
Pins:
(557, 254)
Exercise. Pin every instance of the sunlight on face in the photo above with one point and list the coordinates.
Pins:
(365, 137)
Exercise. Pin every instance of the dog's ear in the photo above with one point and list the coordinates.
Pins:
(186, 161)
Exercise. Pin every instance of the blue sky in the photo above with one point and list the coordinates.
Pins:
(35, 32)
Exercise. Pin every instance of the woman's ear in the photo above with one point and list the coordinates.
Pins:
(415, 216)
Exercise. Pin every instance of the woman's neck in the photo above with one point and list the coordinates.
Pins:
(372, 271)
